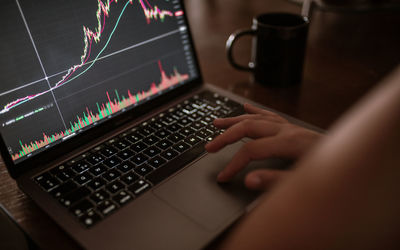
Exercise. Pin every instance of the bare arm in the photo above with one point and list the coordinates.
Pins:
(345, 194)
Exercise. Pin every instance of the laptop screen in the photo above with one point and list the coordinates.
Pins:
(67, 66)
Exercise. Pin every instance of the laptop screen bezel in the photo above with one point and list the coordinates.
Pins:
(57, 151)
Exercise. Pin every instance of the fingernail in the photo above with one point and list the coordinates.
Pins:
(208, 147)
(254, 181)
(217, 120)
(221, 177)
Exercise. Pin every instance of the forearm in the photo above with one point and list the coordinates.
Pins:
(343, 195)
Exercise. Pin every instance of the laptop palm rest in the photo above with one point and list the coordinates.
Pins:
(195, 192)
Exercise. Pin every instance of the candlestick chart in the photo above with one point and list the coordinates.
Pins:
(89, 60)
(103, 110)
(90, 36)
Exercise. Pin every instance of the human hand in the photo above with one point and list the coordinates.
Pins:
(273, 136)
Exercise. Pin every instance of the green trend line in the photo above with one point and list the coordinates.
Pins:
(105, 46)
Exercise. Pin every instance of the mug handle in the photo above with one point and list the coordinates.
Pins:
(229, 44)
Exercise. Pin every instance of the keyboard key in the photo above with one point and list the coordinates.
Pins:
(134, 137)
(63, 189)
(98, 170)
(176, 137)
(164, 144)
(169, 154)
(162, 133)
(156, 125)
(99, 196)
(112, 141)
(184, 121)
(177, 113)
(97, 148)
(139, 159)
(58, 169)
(181, 147)
(43, 177)
(212, 107)
(89, 219)
(208, 119)
(115, 186)
(122, 198)
(95, 158)
(201, 113)
(126, 154)
(97, 183)
(156, 162)
(129, 178)
(186, 131)
(138, 147)
(122, 144)
(81, 166)
(143, 170)
(212, 128)
(107, 207)
(66, 175)
(195, 116)
(167, 120)
(218, 113)
(139, 187)
(111, 175)
(188, 109)
(75, 196)
(82, 207)
(211, 137)
(197, 125)
(224, 111)
(204, 133)
(108, 151)
(146, 130)
(112, 161)
(46, 181)
(174, 127)
(192, 140)
(150, 140)
(152, 151)
(83, 178)
(126, 166)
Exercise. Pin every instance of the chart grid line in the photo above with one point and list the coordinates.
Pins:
(99, 59)
(40, 61)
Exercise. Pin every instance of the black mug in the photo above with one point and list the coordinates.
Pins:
(278, 50)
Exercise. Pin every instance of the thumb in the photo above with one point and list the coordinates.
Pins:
(263, 178)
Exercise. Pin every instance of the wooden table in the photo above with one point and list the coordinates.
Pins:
(347, 54)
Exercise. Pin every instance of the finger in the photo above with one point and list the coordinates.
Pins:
(263, 178)
(227, 122)
(246, 128)
(251, 109)
(224, 123)
(254, 113)
(253, 150)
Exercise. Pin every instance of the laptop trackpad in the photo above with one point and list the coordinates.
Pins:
(196, 193)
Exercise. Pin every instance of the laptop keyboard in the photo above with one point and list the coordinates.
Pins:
(110, 175)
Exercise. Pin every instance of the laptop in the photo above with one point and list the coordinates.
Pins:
(103, 118)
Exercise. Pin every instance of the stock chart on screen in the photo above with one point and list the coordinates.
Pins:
(66, 66)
